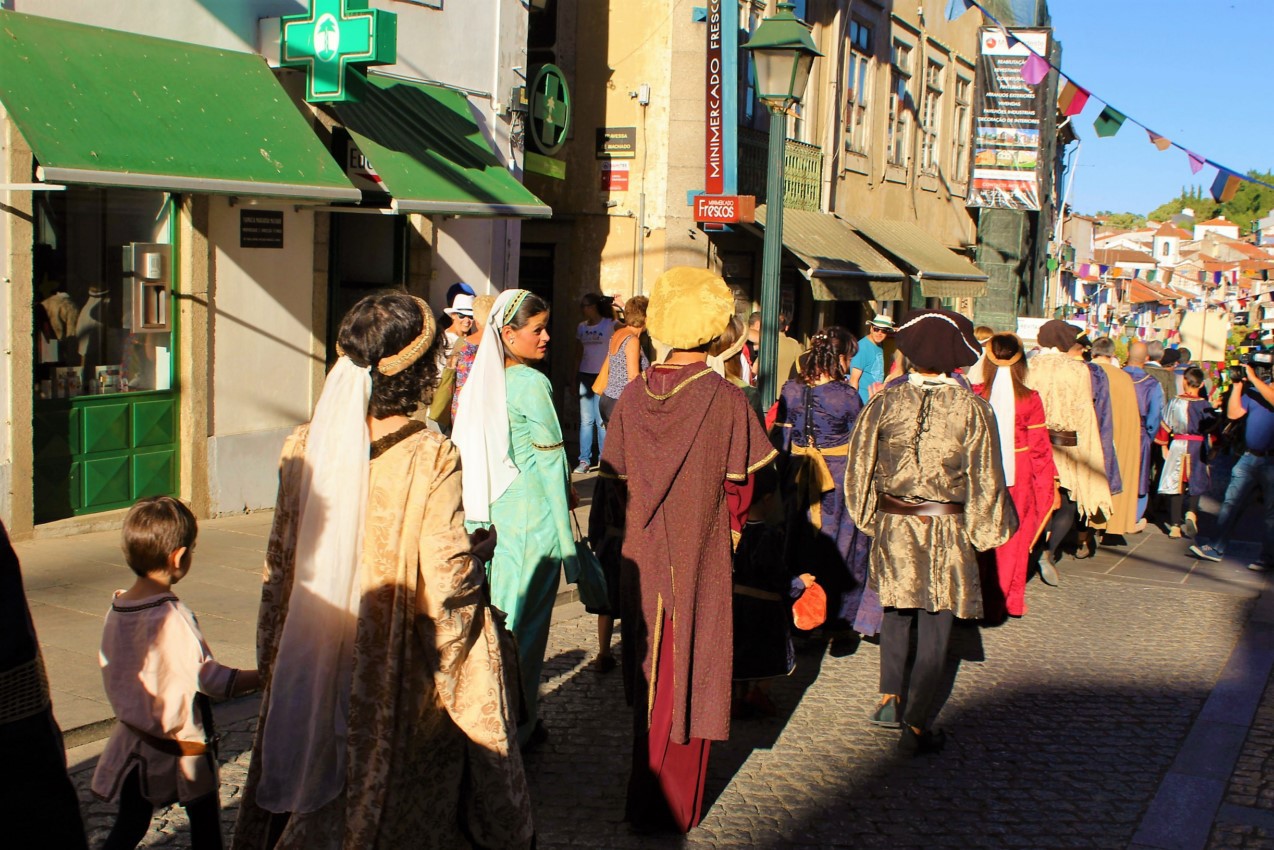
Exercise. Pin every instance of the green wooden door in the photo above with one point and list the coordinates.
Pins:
(98, 453)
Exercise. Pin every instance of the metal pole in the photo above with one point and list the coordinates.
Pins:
(771, 254)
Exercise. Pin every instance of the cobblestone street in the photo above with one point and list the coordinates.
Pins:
(1061, 727)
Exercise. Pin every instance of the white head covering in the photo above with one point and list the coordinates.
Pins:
(1004, 403)
(481, 429)
(303, 741)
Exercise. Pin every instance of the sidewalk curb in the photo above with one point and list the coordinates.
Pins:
(1185, 808)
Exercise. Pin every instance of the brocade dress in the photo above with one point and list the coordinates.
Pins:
(822, 537)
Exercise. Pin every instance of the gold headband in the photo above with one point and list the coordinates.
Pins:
(417, 347)
(998, 362)
(514, 303)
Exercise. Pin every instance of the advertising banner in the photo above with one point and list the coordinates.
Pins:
(1008, 114)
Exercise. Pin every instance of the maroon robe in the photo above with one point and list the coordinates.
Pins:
(676, 437)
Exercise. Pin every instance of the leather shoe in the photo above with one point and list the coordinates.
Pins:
(1048, 570)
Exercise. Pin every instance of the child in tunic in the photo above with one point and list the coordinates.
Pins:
(158, 673)
(1186, 423)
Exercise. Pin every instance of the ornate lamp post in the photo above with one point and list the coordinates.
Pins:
(783, 54)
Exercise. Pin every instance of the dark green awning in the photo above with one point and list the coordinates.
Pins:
(940, 272)
(110, 108)
(842, 266)
(431, 156)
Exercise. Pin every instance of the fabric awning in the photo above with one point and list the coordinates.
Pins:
(110, 108)
(429, 153)
(941, 272)
(842, 266)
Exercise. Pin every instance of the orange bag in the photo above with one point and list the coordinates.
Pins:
(810, 611)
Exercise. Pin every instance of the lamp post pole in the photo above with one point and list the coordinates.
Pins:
(771, 254)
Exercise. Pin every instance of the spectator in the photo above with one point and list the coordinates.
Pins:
(867, 369)
(592, 338)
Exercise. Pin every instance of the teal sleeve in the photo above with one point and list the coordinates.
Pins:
(535, 401)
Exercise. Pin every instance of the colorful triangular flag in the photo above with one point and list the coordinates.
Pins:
(1196, 162)
(1151, 275)
(1109, 122)
(1072, 99)
(956, 8)
(1035, 69)
(1225, 185)
(1159, 141)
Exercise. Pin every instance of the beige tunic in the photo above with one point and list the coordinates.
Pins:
(431, 760)
(1066, 388)
(1127, 422)
(154, 663)
(941, 449)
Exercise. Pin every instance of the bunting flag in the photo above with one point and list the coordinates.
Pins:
(956, 8)
(1159, 141)
(1196, 162)
(1151, 275)
(1225, 185)
(1035, 69)
(1103, 269)
(1072, 99)
(1109, 122)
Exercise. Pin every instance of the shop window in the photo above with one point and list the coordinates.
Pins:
(102, 278)
(900, 105)
(857, 86)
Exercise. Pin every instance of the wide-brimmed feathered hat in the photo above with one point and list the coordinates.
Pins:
(941, 340)
(688, 307)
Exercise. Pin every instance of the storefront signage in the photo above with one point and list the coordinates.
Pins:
(725, 209)
(335, 35)
(550, 109)
(614, 177)
(616, 142)
(714, 173)
(360, 171)
(546, 165)
(260, 228)
(1008, 114)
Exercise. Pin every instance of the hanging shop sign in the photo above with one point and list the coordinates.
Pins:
(714, 172)
(359, 171)
(260, 228)
(550, 109)
(1008, 114)
(616, 142)
(614, 176)
(334, 36)
(725, 209)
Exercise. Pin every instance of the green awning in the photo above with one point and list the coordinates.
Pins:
(941, 272)
(109, 108)
(842, 266)
(429, 153)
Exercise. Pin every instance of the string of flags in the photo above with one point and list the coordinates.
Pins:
(1073, 98)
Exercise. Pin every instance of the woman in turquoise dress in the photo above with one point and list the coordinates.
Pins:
(517, 481)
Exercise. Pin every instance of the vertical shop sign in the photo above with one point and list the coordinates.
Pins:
(1008, 114)
(714, 175)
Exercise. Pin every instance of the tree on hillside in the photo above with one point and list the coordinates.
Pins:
(1250, 202)
(1123, 220)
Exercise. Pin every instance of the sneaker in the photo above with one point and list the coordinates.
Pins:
(1191, 525)
(1174, 532)
(886, 714)
(1207, 552)
(1259, 567)
(582, 468)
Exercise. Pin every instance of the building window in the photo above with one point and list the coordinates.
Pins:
(931, 117)
(857, 86)
(900, 105)
(963, 128)
(1166, 249)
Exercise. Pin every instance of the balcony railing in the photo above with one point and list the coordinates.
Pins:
(802, 170)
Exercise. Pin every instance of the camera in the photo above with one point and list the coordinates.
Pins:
(1260, 359)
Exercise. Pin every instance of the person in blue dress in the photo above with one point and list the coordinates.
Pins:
(817, 412)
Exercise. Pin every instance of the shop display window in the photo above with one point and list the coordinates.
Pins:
(102, 273)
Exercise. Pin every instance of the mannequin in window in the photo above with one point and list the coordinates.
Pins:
(92, 330)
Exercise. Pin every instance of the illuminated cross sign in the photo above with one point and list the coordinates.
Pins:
(334, 35)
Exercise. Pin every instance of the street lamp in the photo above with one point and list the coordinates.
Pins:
(783, 54)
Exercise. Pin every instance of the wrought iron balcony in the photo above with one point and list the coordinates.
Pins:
(802, 170)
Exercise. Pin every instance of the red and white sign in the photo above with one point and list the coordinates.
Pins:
(725, 209)
(714, 173)
(614, 176)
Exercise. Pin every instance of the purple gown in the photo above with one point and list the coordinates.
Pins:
(837, 552)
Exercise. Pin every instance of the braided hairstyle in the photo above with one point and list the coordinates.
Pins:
(823, 358)
(380, 325)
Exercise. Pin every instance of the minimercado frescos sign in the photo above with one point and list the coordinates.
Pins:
(714, 174)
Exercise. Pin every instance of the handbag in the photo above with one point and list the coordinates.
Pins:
(590, 582)
(810, 611)
(440, 406)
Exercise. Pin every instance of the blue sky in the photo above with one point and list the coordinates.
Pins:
(1196, 71)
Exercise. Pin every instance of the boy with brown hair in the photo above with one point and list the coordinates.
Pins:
(158, 674)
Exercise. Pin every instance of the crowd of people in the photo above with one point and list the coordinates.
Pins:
(411, 577)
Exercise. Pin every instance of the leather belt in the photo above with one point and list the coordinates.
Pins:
(893, 505)
(1063, 438)
(169, 746)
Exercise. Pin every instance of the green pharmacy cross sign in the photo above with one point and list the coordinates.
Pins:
(550, 109)
(333, 36)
